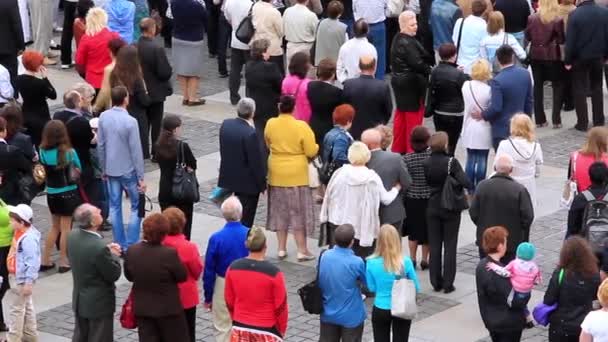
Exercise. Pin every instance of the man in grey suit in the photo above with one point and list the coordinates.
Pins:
(391, 169)
(95, 268)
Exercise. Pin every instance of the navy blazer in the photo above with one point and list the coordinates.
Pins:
(242, 164)
(372, 101)
(511, 94)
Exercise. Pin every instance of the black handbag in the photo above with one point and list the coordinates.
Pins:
(452, 194)
(310, 294)
(245, 31)
(185, 184)
(328, 168)
(313, 48)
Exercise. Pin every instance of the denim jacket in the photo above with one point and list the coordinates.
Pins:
(336, 142)
(28, 257)
(444, 14)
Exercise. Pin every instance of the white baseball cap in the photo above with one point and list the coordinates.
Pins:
(24, 212)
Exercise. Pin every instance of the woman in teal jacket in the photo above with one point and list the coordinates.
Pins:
(382, 268)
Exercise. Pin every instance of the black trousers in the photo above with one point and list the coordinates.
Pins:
(10, 63)
(162, 329)
(363, 252)
(250, 205)
(188, 209)
(392, 28)
(558, 334)
(511, 336)
(154, 118)
(93, 330)
(237, 61)
(588, 73)
(548, 71)
(223, 41)
(213, 19)
(443, 240)
(69, 14)
(4, 274)
(452, 125)
(383, 321)
(190, 315)
(336, 333)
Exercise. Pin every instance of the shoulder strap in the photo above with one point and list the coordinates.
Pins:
(560, 279)
(505, 40)
(298, 89)
(574, 158)
(71, 119)
(589, 196)
(319, 264)
(459, 38)
(473, 95)
(521, 155)
(450, 165)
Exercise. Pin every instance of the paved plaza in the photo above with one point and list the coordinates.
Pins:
(451, 317)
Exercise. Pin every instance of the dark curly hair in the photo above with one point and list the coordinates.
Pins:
(576, 256)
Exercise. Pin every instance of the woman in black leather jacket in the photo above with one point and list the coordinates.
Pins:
(411, 66)
(576, 291)
(445, 96)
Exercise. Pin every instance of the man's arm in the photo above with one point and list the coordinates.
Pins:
(404, 176)
(529, 104)
(571, 39)
(526, 211)
(256, 159)
(107, 265)
(495, 107)
(6, 90)
(209, 272)
(341, 72)
(388, 104)
(136, 151)
(101, 146)
(163, 68)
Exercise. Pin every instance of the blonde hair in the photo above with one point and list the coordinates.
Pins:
(496, 22)
(96, 20)
(481, 70)
(387, 136)
(597, 142)
(522, 126)
(388, 247)
(602, 293)
(548, 10)
(358, 153)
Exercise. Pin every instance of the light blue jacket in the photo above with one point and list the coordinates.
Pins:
(473, 31)
(381, 282)
(121, 16)
(444, 14)
(27, 259)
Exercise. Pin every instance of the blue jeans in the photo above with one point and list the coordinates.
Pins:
(476, 166)
(377, 36)
(115, 188)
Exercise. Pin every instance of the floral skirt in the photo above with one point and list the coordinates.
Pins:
(241, 334)
(291, 209)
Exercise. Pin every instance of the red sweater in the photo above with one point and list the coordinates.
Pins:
(189, 256)
(255, 294)
(93, 54)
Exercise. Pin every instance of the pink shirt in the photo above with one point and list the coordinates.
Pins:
(293, 85)
(580, 168)
(524, 275)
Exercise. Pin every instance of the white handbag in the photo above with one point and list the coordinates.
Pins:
(570, 188)
(403, 298)
(313, 173)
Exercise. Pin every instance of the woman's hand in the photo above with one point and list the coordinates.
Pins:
(42, 72)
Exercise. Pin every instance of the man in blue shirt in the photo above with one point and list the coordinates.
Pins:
(225, 246)
(340, 274)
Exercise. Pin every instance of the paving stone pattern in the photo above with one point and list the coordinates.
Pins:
(558, 147)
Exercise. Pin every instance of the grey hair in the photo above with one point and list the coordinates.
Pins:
(84, 89)
(83, 216)
(503, 163)
(71, 99)
(245, 108)
(232, 209)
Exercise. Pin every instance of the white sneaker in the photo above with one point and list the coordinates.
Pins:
(66, 66)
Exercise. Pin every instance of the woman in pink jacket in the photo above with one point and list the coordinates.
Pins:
(296, 85)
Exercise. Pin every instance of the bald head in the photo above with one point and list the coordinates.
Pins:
(232, 209)
(367, 65)
(408, 23)
(372, 138)
(503, 164)
(148, 27)
(87, 216)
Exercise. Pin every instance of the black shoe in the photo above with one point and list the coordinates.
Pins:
(234, 101)
(580, 128)
(529, 325)
(44, 268)
(437, 289)
(449, 289)
(154, 160)
(3, 327)
(212, 55)
(424, 265)
(224, 75)
(64, 269)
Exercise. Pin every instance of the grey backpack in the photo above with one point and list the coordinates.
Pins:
(595, 221)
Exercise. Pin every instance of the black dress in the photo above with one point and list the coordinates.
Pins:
(263, 84)
(167, 169)
(138, 104)
(34, 92)
(323, 98)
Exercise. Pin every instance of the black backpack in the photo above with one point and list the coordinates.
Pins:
(595, 221)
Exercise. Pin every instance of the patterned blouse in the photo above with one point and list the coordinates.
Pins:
(415, 165)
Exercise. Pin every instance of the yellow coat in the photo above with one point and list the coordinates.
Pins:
(291, 143)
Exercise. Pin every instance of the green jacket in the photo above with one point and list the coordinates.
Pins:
(6, 231)
(94, 270)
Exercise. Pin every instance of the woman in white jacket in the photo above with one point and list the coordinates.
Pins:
(526, 152)
(353, 196)
(476, 134)
(496, 38)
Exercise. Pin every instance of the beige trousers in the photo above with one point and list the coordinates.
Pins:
(22, 318)
(221, 317)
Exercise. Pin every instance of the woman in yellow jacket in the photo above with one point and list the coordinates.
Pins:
(290, 205)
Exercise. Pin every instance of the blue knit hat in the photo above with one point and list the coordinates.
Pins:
(526, 251)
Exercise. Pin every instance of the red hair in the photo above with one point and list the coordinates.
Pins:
(32, 60)
(343, 114)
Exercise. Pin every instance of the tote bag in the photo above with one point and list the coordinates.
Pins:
(185, 184)
(403, 298)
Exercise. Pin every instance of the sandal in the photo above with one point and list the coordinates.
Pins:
(184, 102)
(282, 255)
(198, 102)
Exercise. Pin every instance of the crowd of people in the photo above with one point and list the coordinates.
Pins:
(312, 128)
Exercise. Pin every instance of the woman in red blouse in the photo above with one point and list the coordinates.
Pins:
(255, 295)
(190, 257)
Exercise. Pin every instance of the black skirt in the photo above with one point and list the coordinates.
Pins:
(64, 204)
(415, 220)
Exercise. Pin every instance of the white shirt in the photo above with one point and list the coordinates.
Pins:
(347, 66)
(299, 24)
(235, 11)
(6, 89)
(596, 325)
(473, 31)
(372, 11)
(476, 134)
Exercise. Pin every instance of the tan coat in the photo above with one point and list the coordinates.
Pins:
(268, 25)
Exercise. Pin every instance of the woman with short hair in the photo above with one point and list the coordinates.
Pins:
(526, 153)
(296, 85)
(324, 97)
(337, 141)
(331, 34)
(14, 132)
(496, 38)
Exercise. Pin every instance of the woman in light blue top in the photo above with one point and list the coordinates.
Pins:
(62, 165)
(382, 270)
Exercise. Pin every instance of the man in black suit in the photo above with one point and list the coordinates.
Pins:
(370, 97)
(242, 165)
(11, 36)
(95, 269)
(157, 74)
(13, 164)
